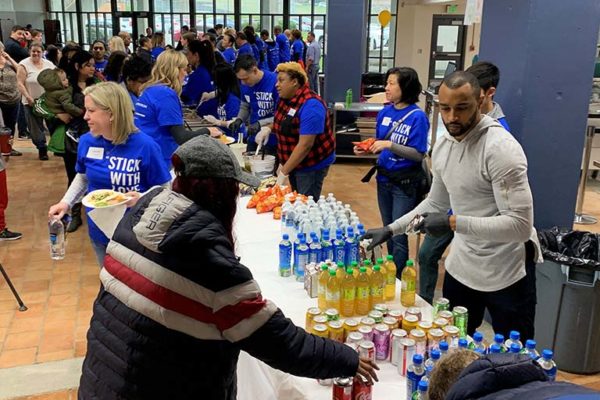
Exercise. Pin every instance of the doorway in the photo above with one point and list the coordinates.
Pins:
(134, 22)
(448, 36)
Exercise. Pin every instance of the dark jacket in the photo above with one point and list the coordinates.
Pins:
(145, 55)
(176, 307)
(15, 50)
(508, 377)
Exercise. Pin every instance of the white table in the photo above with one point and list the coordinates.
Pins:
(257, 237)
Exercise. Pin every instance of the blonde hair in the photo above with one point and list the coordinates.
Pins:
(112, 97)
(230, 31)
(158, 39)
(166, 70)
(116, 44)
(294, 70)
(446, 372)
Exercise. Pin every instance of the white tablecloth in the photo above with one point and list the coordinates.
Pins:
(257, 237)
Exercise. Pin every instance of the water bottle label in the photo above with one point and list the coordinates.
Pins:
(285, 256)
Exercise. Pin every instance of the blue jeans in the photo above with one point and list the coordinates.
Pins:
(394, 202)
(430, 253)
(309, 183)
(100, 250)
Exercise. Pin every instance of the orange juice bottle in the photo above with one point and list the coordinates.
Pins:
(332, 293)
(348, 294)
(322, 289)
(363, 289)
(409, 285)
(390, 274)
(377, 286)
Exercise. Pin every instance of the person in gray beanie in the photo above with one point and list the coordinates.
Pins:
(176, 306)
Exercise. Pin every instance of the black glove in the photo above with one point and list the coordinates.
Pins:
(434, 224)
(253, 129)
(378, 236)
(235, 126)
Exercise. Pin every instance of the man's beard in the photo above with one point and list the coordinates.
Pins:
(463, 128)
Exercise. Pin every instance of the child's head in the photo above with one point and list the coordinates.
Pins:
(62, 75)
(447, 370)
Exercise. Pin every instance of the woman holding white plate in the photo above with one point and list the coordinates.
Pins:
(113, 155)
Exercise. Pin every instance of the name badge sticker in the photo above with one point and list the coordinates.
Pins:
(386, 121)
(292, 112)
(96, 153)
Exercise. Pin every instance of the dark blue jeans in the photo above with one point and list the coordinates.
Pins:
(430, 253)
(394, 202)
(309, 183)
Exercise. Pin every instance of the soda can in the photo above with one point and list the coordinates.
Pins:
(434, 337)
(361, 390)
(420, 339)
(332, 314)
(440, 323)
(366, 331)
(336, 331)
(311, 313)
(350, 325)
(461, 319)
(416, 311)
(395, 337)
(406, 351)
(342, 389)
(391, 322)
(321, 330)
(447, 315)
(382, 308)
(452, 335)
(395, 314)
(377, 316)
(355, 338)
(353, 346)
(440, 304)
(410, 322)
(367, 321)
(381, 338)
(425, 326)
(319, 319)
(366, 349)
(325, 382)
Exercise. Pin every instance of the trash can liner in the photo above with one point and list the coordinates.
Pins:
(575, 248)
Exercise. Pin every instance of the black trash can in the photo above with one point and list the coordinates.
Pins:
(567, 316)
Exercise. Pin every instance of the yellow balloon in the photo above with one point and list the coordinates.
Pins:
(384, 18)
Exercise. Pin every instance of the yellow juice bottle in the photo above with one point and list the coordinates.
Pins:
(409, 285)
(355, 269)
(381, 266)
(340, 272)
(363, 295)
(332, 292)
(390, 274)
(369, 266)
(377, 286)
(322, 289)
(348, 294)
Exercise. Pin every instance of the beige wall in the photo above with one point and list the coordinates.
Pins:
(413, 36)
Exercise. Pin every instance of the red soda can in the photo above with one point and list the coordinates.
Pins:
(361, 390)
(342, 389)
(406, 351)
(366, 349)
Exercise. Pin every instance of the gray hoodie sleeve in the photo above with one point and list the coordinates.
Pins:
(507, 169)
(410, 153)
(244, 112)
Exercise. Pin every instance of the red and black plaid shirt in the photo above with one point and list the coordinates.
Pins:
(287, 129)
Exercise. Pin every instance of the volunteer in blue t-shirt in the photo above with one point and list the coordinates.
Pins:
(228, 96)
(298, 47)
(401, 134)
(228, 51)
(158, 111)
(113, 155)
(305, 142)
(99, 54)
(201, 57)
(259, 99)
(158, 45)
(243, 47)
(271, 51)
(283, 44)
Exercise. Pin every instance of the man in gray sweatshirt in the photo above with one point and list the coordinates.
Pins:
(480, 172)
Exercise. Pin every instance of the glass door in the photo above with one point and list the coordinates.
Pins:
(134, 22)
(448, 36)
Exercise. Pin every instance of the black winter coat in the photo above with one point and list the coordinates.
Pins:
(510, 377)
(176, 307)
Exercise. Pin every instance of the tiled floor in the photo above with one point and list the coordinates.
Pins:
(59, 294)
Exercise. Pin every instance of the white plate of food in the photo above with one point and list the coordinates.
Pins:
(104, 198)
(226, 139)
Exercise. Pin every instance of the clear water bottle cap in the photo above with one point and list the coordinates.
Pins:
(477, 337)
(547, 354)
(286, 236)
(499, 338)
(423, 385)
(435, 354)
(530, 344)
(417, 359)
(514, 335)
(443, 345)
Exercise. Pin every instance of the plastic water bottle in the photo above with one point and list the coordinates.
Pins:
(314, 252)
(463, 343)
(514, 337)
(326, 247)
(285, 256)
(348, 98)
(499, 340)
(56, 230)
(477, 344)
(514, 348)
(361, 230)
(339, 247)
(443, 348)
(548, 364)
(351, 247)
(421, 393)
(414, 374)
(330, 198)
(302, 257)
(434, 357)
(495, 348)
(295, 250)
(530, 349)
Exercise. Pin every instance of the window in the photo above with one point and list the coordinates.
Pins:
(381, 42)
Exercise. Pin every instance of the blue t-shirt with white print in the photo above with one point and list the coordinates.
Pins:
(412, 132)
(133, 166)
(263, 98)
(228, 111)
